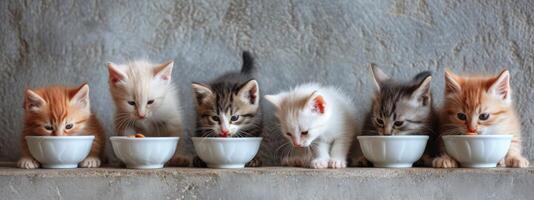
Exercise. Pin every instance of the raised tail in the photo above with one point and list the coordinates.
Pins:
(248, 63)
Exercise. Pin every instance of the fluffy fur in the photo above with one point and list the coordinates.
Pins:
(402, 108)
(146, 101)
(229, 107)
(60, 111)
(318, 117)
(480, 106)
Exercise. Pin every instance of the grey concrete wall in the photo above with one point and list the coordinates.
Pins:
(268, 183)
(68, 42)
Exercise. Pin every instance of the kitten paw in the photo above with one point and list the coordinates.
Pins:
(27, 163)
(337, 163)
(319, 164)
(197, 162)
(294, 162)
(256, 162)
(444, 161)
(516, 161)
(90, 162)
(362, 162)
(179, 161)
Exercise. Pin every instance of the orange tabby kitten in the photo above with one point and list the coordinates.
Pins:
(60, 111)
(480, 106)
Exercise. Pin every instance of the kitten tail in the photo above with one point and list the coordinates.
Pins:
(248, 63)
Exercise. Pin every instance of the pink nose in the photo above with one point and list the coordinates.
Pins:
(224, 133)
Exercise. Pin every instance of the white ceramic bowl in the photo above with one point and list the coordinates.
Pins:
(393, 151)
(144, 153)
(226, 152)
(59, 151)
(477, 151)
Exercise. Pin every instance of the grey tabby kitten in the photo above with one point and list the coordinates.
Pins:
(229, 107)
(402, 108)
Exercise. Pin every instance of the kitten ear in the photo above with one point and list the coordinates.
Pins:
(249, 92)
(316, 103)
(422, 93)
(452, 82)
(164, 71)
(115, 74)
(201, 93)
(501, 86)
(32, 101)
(276, 99)
(378, 76)
(80, 96)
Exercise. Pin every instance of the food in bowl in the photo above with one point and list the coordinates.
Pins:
(137, 135)
(59, 151)
(477, 151)
(393, 151)
(144, 152)
(226, 152)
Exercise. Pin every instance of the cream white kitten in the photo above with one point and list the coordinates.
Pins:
(319, 117)
(146, 101)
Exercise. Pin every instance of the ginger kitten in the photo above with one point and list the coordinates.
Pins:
(229, 106)
(319, 118)
(146, 101)
(60, 111)
(480, 106)
(402, 108)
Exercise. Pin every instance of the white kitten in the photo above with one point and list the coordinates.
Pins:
(319, 117)
(146, 100)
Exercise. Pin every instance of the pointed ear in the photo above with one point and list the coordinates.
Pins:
(501, 86)
(164, 71)
(249, 92)
(452, 82)
(276, 99)
(422, 93)
(32, 101)
(80, 96)
(115, 74)
(201, 92)
(378, 76)
(316, 103)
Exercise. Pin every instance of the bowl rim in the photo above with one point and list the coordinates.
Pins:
(60, 137)
(478, 136)
(141, 139)
(228, 139)
(393, 137)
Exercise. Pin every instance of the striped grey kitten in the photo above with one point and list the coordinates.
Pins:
(402, 108)
(229, 107)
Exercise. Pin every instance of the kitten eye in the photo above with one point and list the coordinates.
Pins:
(398, 123)
(150, 102)
(288, 134)
(304, 133)
(132, 103)
(49, 128)
(484, 116)
(379, 121)
(234, 118)
(215, 118)
(461, 116)
(69, 126)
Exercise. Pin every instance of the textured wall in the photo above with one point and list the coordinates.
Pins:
(68, 42)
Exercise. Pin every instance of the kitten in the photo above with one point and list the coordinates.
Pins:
(146, 101)
(480, 106)
(320, 117)
(60, 111)
(229, 107)
(401, 108)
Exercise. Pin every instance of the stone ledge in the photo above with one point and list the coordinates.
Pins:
(267, 183)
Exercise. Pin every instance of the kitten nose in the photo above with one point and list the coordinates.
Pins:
(141, 115)
(224, 132)
(471, 130)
